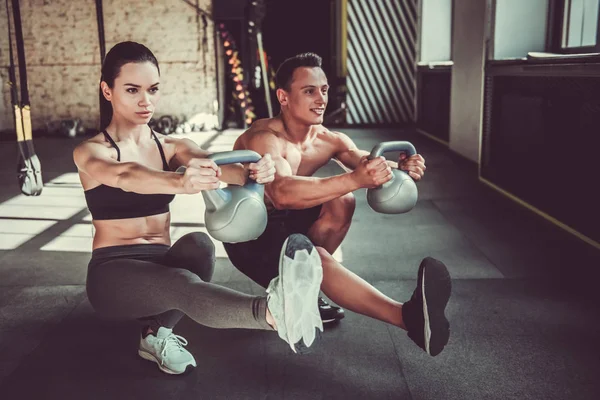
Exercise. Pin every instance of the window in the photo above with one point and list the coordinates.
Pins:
(436, 31)
(525, 19)
(580, 26)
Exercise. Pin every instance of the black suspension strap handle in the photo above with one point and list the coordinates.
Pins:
(29, 169)
(25, 175)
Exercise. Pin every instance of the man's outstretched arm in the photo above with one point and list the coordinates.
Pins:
(289, 191)
(349, 155)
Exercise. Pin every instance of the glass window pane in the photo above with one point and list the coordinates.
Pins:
(436, 30)
(590, 23)
(575, 23)
(580, 23)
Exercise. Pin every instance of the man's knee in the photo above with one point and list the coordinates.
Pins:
(348, 202)
(342, 208)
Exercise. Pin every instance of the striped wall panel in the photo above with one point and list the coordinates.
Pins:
(381, 61)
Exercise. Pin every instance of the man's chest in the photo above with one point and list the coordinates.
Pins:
(305, 160)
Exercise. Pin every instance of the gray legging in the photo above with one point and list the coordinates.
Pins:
(158, 285)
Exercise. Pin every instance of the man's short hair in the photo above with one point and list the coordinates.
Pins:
(285, 72)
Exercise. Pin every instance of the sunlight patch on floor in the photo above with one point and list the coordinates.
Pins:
(15, 232)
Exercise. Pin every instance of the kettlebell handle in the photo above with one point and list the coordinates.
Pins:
(384, 147)
(235, 156)
(229, 157)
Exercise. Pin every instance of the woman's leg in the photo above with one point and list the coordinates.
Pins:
(132, 289)
(132, 282)
(194, 252)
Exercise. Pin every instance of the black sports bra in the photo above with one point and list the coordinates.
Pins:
(107, 202)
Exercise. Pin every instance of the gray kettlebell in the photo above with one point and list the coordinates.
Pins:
(235, 213)
(399, 195)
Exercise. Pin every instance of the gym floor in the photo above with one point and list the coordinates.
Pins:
(524, 309)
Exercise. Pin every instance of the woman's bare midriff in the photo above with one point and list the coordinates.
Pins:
(144, 230)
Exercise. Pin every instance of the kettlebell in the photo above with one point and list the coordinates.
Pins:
(236, 213)
(399, 195)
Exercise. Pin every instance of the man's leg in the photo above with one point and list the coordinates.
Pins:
(354, 293)
(328, 231)
(259, 259)
(422, 316)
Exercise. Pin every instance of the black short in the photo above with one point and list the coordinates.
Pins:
(259, 259)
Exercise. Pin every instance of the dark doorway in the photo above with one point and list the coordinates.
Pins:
(288, 28)
(293, 27)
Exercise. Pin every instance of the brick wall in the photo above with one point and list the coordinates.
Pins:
(5, 110)
(63, 56)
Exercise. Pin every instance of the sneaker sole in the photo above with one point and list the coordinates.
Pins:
(337, 318)
(301, 275)
(147, 356)
(436, 287)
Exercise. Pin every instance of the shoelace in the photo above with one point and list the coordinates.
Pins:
(172, 341)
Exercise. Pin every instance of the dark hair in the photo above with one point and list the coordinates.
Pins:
(121, 54)
(285, 72)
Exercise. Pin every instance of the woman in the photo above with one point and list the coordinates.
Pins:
(134, 272)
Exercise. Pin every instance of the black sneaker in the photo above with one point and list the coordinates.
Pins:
(423, 314)
(329, 313)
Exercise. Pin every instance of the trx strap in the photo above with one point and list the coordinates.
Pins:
(204, 47)
(29, 170)
(101, 39)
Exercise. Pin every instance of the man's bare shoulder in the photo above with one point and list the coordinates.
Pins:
(262, 132)
(329, 135)
(333, 133)
(272, 126)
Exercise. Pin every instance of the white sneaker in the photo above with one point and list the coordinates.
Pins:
(166, 350)
(294, 294)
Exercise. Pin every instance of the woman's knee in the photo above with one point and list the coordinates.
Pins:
(196, 243)
(195, 251)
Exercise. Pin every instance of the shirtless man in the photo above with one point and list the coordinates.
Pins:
(322, 208)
